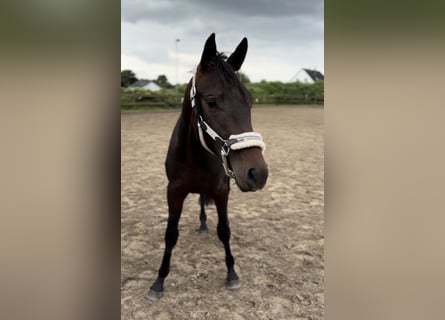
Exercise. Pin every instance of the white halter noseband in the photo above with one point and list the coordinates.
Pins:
(235, 141)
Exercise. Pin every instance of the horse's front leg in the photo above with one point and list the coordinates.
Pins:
(223, 229)
(175, 201)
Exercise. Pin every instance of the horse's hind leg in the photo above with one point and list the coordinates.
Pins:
(223, 229)
(175, 201)
(202, 216)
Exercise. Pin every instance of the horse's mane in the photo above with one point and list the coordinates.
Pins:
(220, 64)
(223, 67)
(221, 55)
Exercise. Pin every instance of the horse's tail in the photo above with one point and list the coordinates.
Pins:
(205, 200)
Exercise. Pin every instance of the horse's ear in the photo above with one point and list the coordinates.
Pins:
(236, 59)
(209, 52)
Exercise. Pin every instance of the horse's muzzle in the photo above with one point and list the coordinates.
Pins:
(250, 168)
(256, 179)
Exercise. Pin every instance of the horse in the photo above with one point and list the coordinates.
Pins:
(212, 142)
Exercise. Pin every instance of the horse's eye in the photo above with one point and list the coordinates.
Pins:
(212, 102)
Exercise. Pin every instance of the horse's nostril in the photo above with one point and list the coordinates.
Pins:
(253, 178)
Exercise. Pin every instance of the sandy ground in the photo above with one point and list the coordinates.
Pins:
(277, 233)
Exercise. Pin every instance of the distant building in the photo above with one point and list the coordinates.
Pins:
(308, 76)
(145, 84)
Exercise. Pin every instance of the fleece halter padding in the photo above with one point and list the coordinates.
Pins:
(235, 142)
(247, 140)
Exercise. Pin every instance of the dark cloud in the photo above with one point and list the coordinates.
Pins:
(226, 12)
(274, 28)
(171, 10)
(265, 8)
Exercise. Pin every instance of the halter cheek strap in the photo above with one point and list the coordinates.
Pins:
(235, 141)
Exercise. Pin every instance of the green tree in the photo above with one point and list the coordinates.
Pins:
(162, 81)
(243, 77)
(127, 77)
(279, 92)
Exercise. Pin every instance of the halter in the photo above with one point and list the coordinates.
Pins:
(235, 142)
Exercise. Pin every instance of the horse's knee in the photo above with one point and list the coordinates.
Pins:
(171, 236)
(223, 233)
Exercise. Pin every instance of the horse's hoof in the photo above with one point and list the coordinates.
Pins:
(233, 284)
(154, 295)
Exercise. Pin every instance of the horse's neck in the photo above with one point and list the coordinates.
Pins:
(185, 131)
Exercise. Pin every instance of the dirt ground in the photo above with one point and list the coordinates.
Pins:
(277, 233)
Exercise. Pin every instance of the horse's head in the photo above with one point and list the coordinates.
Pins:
(224, 104)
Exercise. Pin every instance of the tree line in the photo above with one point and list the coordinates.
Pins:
(263, 91)
(128, 77)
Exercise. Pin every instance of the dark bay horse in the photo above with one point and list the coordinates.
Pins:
(212, 142)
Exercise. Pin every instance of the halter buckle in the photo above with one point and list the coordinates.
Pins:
(225, 148)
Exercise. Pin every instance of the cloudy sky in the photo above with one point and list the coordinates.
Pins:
(283, 35)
